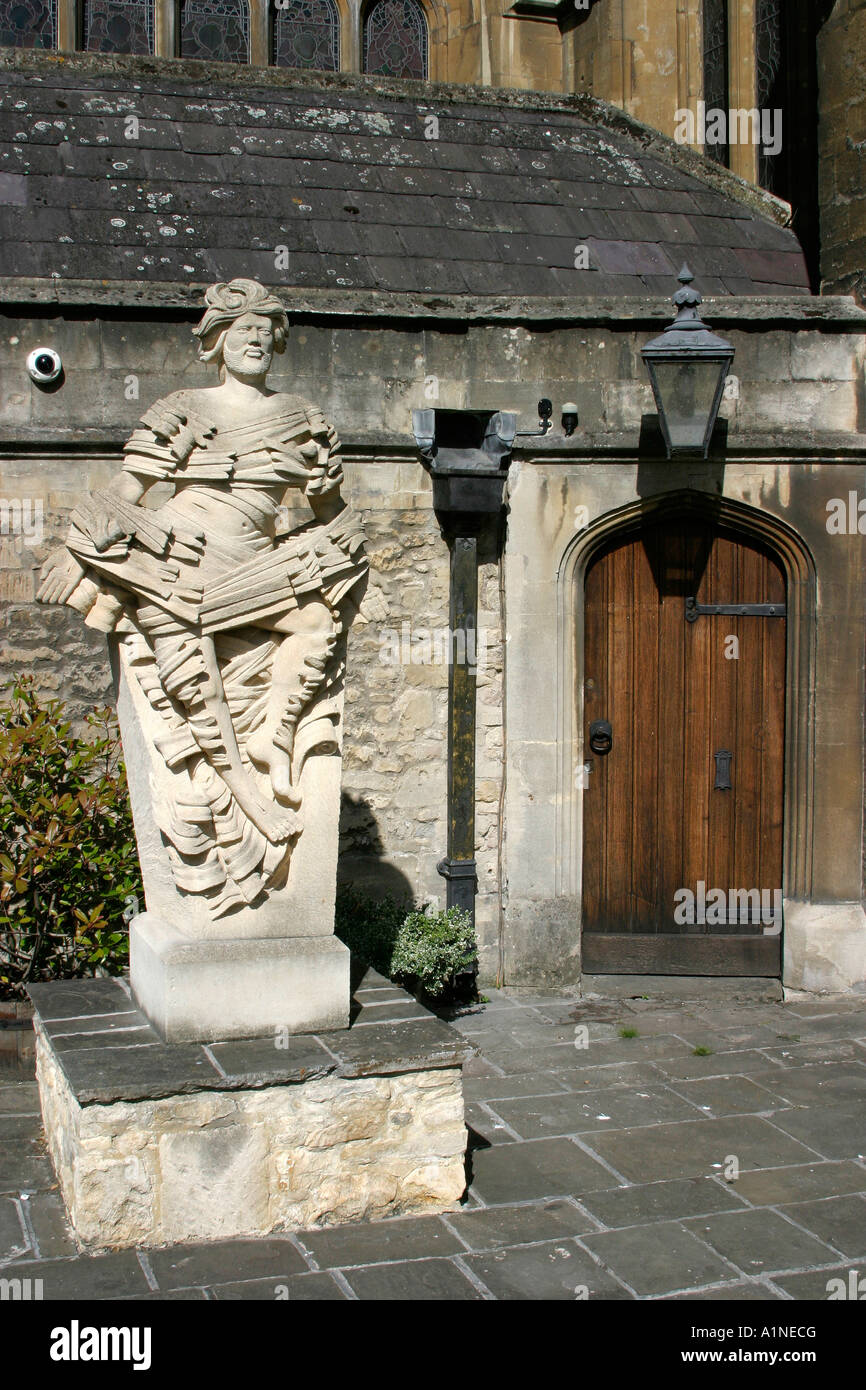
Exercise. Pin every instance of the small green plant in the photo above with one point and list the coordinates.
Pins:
(703, 1052)
(432, 949)
(629, 1033)
(68, 864)
(424, 949)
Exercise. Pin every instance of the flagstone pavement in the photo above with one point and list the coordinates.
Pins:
(620, 1148)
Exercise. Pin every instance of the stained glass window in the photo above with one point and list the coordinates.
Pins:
(118, 26)
(28, 23)
(395, 39)
(307, 34)
(215, 29)
(716, 67)
(768, 65)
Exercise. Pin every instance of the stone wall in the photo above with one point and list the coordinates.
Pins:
(842, 145)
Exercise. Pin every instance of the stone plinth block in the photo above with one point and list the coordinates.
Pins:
(155, 1142)
(197, 991)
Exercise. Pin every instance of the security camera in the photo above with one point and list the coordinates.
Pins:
(44, 365)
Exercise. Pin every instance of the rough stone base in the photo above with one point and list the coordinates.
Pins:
(202, 990)
(154, 1143)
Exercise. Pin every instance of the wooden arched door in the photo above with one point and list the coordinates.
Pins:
(685, 633)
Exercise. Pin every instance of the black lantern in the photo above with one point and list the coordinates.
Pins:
(687, 367)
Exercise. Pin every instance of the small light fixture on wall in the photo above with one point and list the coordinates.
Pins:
(687, 366)
(545, 411)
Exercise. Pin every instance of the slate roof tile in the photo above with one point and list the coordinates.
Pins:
(347, 179)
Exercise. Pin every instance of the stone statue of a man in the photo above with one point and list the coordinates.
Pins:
(231, 632)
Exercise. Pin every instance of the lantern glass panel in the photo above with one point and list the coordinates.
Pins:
(686, 392)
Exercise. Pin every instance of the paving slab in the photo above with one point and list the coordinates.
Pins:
(305, 1287)
(217, 1261)
(518, 1172)
(738, 1063)
(797, 1054)
(21, 1098)
(406, 1238)
(597, 1110)
(730, 1095)
(729, 1293)
(488, 1088)
(558, 1270)
(661, 1201)
(90, 1277)
(829, 1130)
(840, 1221)
(492, 1227)
(49, 1223)
(660, 1258)
(801, 1182)
(486, 1125)
(27, 1127)
(760, 1241)
(819, 1285)
(608, 1075)
(415, 1280)
(696, 1148)
(831, 1083)
(24, 1168)
(14, 1241)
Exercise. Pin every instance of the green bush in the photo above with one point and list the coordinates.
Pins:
(68, 864)
(425, 950)
(432, 949)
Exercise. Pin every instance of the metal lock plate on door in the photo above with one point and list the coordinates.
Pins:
(723, 770)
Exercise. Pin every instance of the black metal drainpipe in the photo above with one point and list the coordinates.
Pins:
(467, 454)
(458, 868)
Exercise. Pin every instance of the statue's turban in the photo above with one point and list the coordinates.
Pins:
(225, 303)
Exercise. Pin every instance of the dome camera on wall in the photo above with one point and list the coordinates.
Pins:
(44, 366)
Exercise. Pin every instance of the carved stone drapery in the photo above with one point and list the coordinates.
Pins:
(228, 638)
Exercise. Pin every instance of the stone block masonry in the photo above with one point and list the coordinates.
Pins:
(155, 1143)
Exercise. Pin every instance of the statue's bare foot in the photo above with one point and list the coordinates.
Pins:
(278, 763)
(277, 823)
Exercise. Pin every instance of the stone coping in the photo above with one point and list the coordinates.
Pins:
(785, 307)
(110, 1052)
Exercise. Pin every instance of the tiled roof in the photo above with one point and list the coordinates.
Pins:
(359, 186)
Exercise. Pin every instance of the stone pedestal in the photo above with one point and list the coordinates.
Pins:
(157, 1142)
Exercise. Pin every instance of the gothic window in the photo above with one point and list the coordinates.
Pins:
(28, 23)
(118, 26)
(768, 64)
(307, 34)
(395, 39)
(716, 67)
(215, 29)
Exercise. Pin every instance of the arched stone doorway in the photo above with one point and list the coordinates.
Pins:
(658, 813)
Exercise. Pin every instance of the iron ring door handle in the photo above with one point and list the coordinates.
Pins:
(600, 737)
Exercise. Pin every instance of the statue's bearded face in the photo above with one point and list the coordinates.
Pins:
(248, 348)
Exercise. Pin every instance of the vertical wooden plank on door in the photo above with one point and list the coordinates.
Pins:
(698, 723)
(645, 746)
(745, 868)
(670, 562)
(618, 908)
(721, 580)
